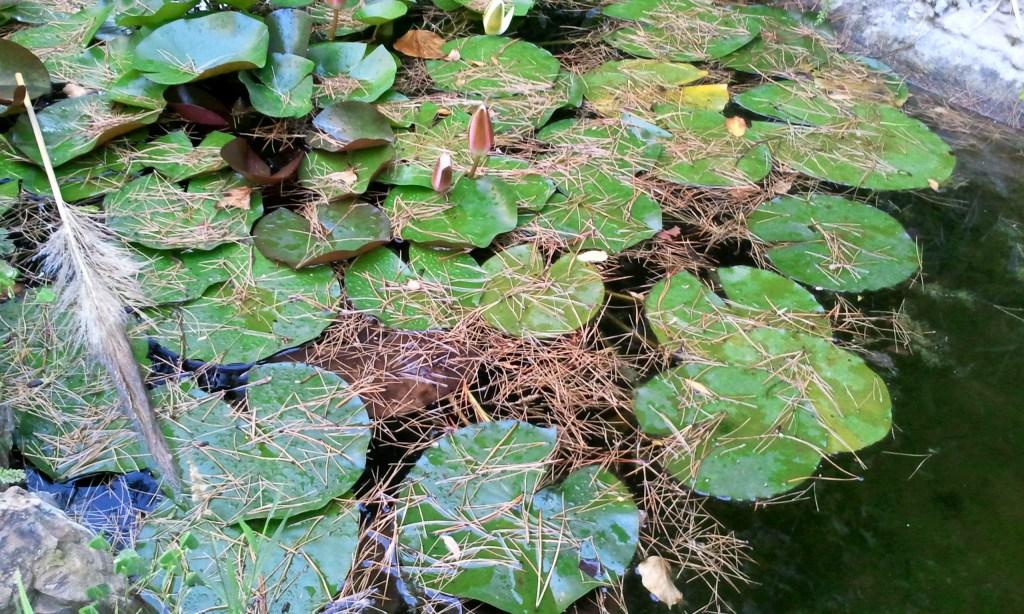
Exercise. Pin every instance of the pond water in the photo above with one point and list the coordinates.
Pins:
(937, 522)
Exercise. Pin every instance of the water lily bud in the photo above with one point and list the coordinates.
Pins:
(481, 133)
(497, 17)
(441, 180)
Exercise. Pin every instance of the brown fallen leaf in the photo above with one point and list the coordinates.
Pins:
(669, 234)
(236, 198)
(736, 125)
(420, 44)
(656, 575)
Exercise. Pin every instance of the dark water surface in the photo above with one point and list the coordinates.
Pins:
(937, 522)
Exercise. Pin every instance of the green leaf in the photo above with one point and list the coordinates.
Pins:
(339, 175)
(474, 523)
(607, 144)
(177, 159)
(348, 126)
(283, 87)
(786, 47)
(525, 297)
(188, 50)
(378, 12)
(351, 71)
(834, 243)
(494, 67)
(473, 213)
(635, 85)
(177, 277)
(17, 59)
(342, 230)
(99, 172)
(150, 13)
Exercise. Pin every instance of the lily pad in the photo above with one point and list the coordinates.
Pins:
(340, 175)
(433, 290)
(526, 297)
(14, 59)
(604, 143)
(341, 230)
(702, 151)
(187, 50)
(298, 565)
(62, 37)
(788, 45)
(262, 309)
(323, 18)
(774, 328)
(417, 150)
(380, 12)
(473, 521)
(494, 67)
(150, 13)
(283, 87)
(351, 71)
(473, 213)
(348, 126)
(75, 126)
(177, 277)
(635, 85)
(834, 243)
(99, 172)
(300, 442)
(680, 30)
(157, 213)
(177, 159)
(762, 440)
(596, 210)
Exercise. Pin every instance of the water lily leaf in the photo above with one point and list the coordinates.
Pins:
(433, 290)
(75, 126)
(417, 150)
(299, 563)
(421, 44)
(479, 487)
(197, 105)
(473, 213)
(834, 243)
(774, 326)
(596, 210)
(262, 309)
(702, 151)
(762, 440)
(351, 71)
(301, 442)
(378, 12)
(289, 31)
(531, 189)
(99, 172)
(867, 145)
(150, 13)
(787, 47)
(177, 159)
(348, 126)
(187, 50)
(14, 59)
(158, 214)
(62, 37)
(177, 277)
(679, 30)
(341, 230)
(339, 175)
(240, 156)
(323, 18)
(607, 144)
(635, 85)
(283, 87)
(494, 67)
(525, 297)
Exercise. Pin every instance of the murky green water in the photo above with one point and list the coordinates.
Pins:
(937, 522)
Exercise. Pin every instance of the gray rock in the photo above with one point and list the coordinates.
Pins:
(53, 555)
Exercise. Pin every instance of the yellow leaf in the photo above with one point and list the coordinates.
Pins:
(736, 125)
(656, 575)
(237, 198)
(712, 97)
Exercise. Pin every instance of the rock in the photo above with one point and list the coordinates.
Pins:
(53, 554)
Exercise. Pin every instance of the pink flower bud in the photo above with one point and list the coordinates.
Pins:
(441, 179)
(481, 133)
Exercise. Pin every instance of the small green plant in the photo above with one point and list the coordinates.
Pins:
(10, 477)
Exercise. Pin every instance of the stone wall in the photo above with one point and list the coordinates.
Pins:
(970, 52)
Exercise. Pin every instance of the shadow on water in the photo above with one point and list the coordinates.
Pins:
(937, 522)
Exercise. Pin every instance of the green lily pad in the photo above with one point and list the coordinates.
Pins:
(177, 277)
(473, 213)
(787, 46)
(340, 175)
(300, 442)
(596, 210)
(157, 213)
(605, 143)
(348, 126)
(62, 37)
(680, 30)
(342, 230)
(283, 87)
(289, 31)
(473, 521)
(75, 126)
(774, 326)
(494, 67)
(379, 12)
(531, 189)
(762, 439)
(298, 565)
(434, 289)
(834, 243)
(526, 297)
(177, 159)
(635, 85)
(323, 17)
(188, 50)
(702, 152)
(14, 59)
(417, 150)
(150, 13)
(351, 71)
(262, 309)
(99, 172)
